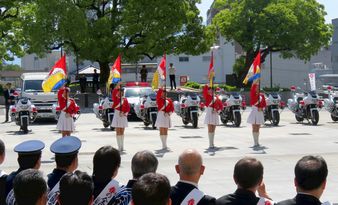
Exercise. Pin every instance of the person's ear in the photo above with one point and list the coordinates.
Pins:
(43, 199)
(38, 164)
(169, 201)
(324, 185)
(91, 200)
(202, 169)
(295, 182)
(177, 168)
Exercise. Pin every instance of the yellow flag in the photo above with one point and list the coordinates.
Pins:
(155, 81)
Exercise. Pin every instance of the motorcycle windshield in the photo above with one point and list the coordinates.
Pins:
(193, 96)
(274, 95)
(152, 96)
(313, 94)
(235, 95)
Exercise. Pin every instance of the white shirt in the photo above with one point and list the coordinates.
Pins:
(172, 70)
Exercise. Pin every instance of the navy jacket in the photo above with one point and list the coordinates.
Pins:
(301, 199)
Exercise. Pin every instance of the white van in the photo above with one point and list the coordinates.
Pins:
(32, 88)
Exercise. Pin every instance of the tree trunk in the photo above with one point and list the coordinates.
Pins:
(104, 72)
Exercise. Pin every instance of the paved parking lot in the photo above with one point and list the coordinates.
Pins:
(283, 146)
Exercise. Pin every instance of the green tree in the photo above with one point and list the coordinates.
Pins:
(10, 67)
(100, 30)
(295, 28)
(11, 37)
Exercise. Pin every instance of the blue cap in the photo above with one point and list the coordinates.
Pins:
(29, 147)
(66, 146)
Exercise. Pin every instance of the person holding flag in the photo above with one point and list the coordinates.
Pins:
(257, 99)
(165, 106)
(213, 103)
(120, 104)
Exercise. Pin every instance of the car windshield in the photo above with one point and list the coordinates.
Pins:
(32, 85)
(137, 92)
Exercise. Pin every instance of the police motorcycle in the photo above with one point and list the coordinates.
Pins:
(57, 110)
(232, 103)
(147, 110)
(23, 112)
(273, 106)
(104, 110)
(188, 108)
(331, 104)
(305, 105)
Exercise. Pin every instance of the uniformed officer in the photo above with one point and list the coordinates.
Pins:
(248, 175)
(29, 156)
(190, 168)
(310, 181)
(3, 174)
(66, 157)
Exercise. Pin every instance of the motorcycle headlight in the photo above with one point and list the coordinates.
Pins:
(237, 102)
(275, 101)
(24, 107)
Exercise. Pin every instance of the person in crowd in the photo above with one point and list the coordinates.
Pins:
(172, 77)
(214, 106)
(66, 151)
(151, 189)
(29, 157)
(165, 109)
(144, 73)
(76, 188)
(143, 162)
(190, 168)
(83, 83)
(9, 99)
(248, 176)
(256, 116)
(30, 188)
(106, 163)
(96, 83)
(120, 120)
(3, 174)
(310, 181)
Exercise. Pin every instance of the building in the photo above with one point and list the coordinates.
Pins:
(335, 46)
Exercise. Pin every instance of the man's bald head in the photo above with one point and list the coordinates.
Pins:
(190, 162)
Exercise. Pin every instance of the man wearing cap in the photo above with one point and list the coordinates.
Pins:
(66, 157)
(29, 157)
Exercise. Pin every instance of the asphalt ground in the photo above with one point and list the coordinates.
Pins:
(283, 146)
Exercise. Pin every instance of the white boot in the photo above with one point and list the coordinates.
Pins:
(119, 142)
(256, 138)
(122, 142)
(211, 139)
(164, 141)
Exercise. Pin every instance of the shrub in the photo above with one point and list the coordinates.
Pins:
(1, 90)
(194, 85)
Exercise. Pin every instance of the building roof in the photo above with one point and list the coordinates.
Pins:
(10, 73)
(89, 70)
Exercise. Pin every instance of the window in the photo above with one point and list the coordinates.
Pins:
(183, 59)
(206, 58)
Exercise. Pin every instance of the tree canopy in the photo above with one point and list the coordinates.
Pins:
(11, 37)
(295, 28)
(100, 30)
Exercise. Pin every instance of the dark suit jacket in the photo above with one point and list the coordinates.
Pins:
(181, 190)
(240, 197)
(3, 189)
(301, 199)
(8, 96)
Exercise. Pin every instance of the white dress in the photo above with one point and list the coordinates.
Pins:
(256, 117)
(65, 123)
(119, 121)
(211, 117)
(162, 120)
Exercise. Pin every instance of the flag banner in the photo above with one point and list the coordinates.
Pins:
(254, 73)
(115, 73)
(211, 71)
(312, 78)
(162, 71)
(155, 81)
(56, 77)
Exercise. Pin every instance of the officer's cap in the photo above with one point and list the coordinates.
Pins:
(29, 147)
(66, 146)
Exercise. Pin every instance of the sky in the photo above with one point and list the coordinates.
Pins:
(331, 7)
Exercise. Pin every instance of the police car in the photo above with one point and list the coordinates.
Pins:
(134, 91)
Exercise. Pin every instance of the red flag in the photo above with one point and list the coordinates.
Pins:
(162, 68)
(211, 71)
(115, 74)
(60, 64)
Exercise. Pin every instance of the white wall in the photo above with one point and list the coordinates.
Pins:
(335, 46)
